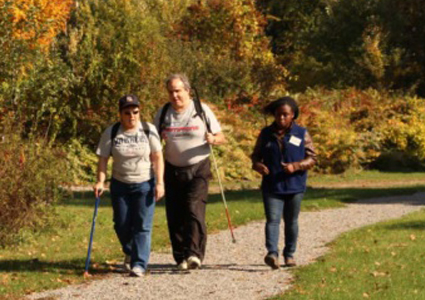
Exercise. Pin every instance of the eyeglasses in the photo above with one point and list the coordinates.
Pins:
(129, 113)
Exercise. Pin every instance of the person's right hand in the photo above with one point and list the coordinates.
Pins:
(159, 191)
(98, 189)
(261, 168)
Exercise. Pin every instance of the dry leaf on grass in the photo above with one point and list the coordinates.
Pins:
(378, 274)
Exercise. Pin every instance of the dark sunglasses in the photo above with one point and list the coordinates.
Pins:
(129, 113)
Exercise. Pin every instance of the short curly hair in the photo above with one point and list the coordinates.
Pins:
(274, 105)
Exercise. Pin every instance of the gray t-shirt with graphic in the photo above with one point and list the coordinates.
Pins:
(184, 135)
(130, 153)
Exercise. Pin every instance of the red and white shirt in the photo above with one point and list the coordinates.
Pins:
(184, 135)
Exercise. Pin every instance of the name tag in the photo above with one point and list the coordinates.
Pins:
(295, 141)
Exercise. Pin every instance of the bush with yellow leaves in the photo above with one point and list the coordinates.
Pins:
(354, 129)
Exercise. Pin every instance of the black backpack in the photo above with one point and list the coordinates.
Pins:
(116, 126)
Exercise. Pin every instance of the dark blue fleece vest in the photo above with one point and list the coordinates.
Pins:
(278, 182)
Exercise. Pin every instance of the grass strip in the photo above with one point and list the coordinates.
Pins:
(382, 261)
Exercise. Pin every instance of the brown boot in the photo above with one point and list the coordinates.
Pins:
(290, 262)
(272, 261)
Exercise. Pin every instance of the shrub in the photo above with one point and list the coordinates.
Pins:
(82, 162)
(403, 136)
(353, 128)
(30, 176)
(241, 133)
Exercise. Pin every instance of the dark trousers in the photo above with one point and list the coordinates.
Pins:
(186, 192)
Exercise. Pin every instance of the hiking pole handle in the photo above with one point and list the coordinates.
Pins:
(93, 225)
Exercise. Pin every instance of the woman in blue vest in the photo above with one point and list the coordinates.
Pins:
(283, 153)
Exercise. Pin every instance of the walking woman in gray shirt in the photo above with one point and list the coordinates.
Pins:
(137, 156)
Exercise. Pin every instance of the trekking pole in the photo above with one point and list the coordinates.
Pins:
(200, 111)
(96, 206)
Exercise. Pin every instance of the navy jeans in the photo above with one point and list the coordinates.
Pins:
(134, 206)
(275, 207)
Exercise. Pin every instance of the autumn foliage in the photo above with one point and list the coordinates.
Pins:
(244, 69)
(38, 20)
(226, 26)
(356, 129)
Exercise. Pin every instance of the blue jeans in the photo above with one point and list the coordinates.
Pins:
(134, 206)
(275, 207)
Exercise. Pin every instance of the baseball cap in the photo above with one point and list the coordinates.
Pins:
(128, 100)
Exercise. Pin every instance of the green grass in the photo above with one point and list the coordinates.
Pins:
(369, 178)
(55, 257)
(382, 261)
(350, 178)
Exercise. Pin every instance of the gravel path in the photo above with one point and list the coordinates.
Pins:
(236, 271)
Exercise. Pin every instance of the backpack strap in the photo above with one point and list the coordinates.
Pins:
(146, 130)
(114, 132)
(200, 112)
(162, 118)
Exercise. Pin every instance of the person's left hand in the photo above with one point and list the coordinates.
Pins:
(159, 191)
(288, 167)
(210, 138)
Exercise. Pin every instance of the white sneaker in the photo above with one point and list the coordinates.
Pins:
(137, 271)
(182, 266)
(127, 263)
(194, 262)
